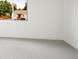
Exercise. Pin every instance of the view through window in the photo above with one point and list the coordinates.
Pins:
(13, 10)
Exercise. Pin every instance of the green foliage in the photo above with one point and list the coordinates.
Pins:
(15, 8)
(25, 8)
(5, 7)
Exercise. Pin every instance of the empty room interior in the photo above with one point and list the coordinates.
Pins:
(49, 31)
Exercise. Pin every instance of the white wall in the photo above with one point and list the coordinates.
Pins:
(44, 19)
(70, 22)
